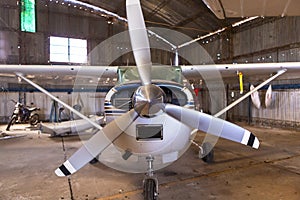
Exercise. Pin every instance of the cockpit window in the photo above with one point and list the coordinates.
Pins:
(174, 95)
(123, 98)
(167, 73)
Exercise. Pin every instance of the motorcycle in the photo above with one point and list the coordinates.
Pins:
(23, 114)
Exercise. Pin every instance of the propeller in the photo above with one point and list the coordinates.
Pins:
(104, 137)
(212, 125)
(148, 101)
(98, 143)
(139, 40)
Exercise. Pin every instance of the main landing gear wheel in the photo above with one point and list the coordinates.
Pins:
(150, 189)
(94, 161)
(206, 153)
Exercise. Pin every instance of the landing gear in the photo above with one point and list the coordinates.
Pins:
(150, 189)
(206, 152)
(94, 161)
(150, 183)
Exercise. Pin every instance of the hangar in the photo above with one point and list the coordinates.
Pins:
(74, 59)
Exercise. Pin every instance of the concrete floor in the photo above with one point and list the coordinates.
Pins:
(27, 167)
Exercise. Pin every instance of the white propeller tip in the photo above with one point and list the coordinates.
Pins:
(256, 144)
(65, 169)
(250, 140)
(59, 173)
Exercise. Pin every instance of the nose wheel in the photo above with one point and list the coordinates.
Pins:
(150, 189)
(150, 183)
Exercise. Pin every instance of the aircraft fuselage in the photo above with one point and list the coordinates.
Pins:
(160, 136)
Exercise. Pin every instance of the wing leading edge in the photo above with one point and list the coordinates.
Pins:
(59, 70)
(188, 71)
(250, 69)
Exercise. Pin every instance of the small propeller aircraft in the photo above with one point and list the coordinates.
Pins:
(151, 121)
(156, 130)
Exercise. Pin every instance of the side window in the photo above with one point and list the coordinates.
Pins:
(174, 95)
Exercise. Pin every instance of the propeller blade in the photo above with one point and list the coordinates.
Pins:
(98, 143)
(139, 40)
(212, 125)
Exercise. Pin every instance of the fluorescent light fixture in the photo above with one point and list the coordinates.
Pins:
(244, 21)
(97, 9)
(201, 38)
(218, 31)
(106, 12)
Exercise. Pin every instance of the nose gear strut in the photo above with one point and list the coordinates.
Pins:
(150, 183)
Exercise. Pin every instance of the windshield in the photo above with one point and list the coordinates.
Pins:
(167, 73)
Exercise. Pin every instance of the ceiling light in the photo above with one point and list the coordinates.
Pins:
(97, 9)
(30, 76)
(244, 21)
(217, 32)
(106, 13)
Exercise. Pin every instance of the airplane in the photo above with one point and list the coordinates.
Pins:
(151, 122)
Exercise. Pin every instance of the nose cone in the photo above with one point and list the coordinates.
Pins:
(148, 100)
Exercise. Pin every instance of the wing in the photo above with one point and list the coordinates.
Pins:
(238, 8)
(50, 74)
(55, 70)
(253, 70)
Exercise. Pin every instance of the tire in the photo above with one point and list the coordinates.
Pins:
(94, 161)
(11, 122)
(208, 153)
(34, 119)
(150, 192)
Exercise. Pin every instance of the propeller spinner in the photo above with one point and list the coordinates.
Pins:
(148, 100)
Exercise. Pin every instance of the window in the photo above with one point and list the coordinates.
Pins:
(28, 16)
(68, 50)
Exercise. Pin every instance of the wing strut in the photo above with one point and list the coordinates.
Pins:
(280, 72)
(98, 143)
(59, 101)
